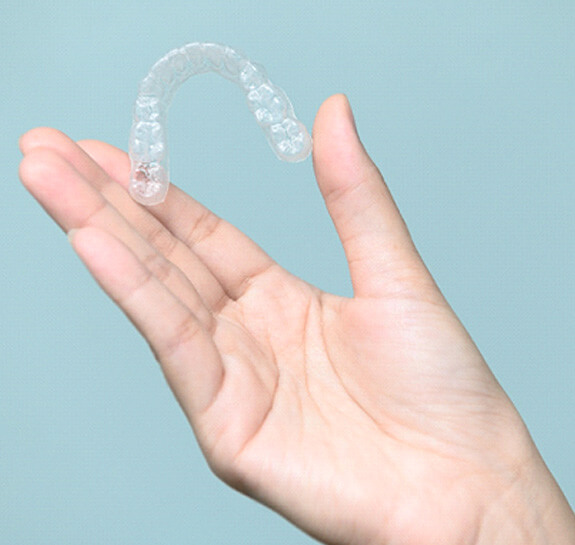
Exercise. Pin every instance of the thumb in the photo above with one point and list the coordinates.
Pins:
(379, 250)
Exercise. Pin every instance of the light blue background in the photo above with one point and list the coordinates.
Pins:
(468, 109)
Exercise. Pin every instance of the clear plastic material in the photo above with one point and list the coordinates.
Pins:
(272, 109)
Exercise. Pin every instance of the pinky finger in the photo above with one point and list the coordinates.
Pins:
(182, 345)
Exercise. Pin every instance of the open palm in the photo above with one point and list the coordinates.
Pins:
(331, 410)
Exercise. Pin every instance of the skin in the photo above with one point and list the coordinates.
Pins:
(364, 420)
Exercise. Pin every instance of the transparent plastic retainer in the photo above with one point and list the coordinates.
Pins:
(272, 109)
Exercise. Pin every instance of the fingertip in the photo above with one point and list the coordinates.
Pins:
(337, 101)
(40, 137)
(114, 161)
(37, 165)
(26, 140)
(340, 160)
(335, 115)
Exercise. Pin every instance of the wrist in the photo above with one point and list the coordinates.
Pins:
(531, 511)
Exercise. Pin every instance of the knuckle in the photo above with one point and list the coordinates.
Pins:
(204, 228)
(160, 267)
(184, 334)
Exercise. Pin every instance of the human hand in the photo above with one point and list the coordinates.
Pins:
(364, 420)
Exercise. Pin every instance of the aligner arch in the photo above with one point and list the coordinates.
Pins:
(272, 109)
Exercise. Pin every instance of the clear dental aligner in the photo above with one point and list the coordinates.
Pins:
(274, 113)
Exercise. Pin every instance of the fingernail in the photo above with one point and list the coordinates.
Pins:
(70, 234)
(351, 117)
